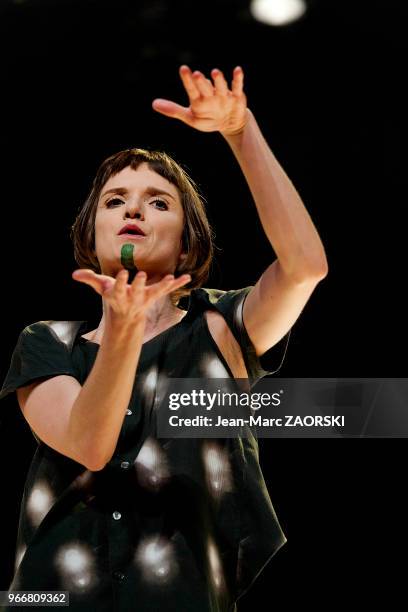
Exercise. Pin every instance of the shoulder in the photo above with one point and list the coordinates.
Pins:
(228, 302)
(222, 296)
(61, 331)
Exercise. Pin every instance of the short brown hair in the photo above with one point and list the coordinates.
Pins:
(197, 237)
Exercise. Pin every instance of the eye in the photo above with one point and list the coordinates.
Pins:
(113, 200)
(160, 202)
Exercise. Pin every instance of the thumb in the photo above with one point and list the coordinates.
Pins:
(98, 282)
(171, 109)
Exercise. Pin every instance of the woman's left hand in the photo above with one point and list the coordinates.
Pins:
(213, 106)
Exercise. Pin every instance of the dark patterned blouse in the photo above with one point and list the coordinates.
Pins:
(168, 525)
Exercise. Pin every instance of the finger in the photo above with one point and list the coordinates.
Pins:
(175, 283)
(137, 287)
(204, 85)
(220, 83)
(237, 81)
(189, 84)
(166, 285)
(171, 109)
(157, 289)
(120, 288)
(98, 282)
(87, 273)
(179, 282)
(82, 273)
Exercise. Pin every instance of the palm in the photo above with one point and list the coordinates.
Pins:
(106, 285)
(213, 106)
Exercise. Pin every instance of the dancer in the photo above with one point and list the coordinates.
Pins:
(112, 513)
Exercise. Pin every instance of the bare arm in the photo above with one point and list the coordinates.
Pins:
(84, 422)
(98, 411)
(280, 294)
(284, 218)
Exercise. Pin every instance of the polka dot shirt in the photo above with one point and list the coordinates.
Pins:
(168, 524)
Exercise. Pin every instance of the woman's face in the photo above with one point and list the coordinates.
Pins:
(151, 202)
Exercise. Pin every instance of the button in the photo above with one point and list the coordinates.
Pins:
(118, 575)
(116, 515)
(124, 465)
(128, 412)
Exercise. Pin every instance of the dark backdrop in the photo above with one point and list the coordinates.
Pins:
(78, 79)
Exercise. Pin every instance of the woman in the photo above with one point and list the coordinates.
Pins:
(111, 513)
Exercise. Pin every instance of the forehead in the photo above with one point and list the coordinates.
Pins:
(136, 180)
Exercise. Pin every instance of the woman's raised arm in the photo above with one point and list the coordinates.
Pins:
(280, 294)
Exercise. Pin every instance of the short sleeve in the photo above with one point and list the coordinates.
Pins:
(230, 304)
(40, 352)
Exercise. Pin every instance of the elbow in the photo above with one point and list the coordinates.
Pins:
(94, 466)
(314, 275)
(322, 268)
(304, 270)
(92, 458)
(94, 462)
(317, 272)
(322, 272)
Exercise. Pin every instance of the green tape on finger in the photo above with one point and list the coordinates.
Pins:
(127, 261)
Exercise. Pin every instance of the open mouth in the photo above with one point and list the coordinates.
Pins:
(131, 229)
(132, 236)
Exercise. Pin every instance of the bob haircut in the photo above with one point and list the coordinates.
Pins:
(197, 237)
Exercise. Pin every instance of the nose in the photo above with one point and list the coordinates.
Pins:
(134, 209)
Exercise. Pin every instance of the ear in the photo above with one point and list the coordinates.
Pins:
(183, 255)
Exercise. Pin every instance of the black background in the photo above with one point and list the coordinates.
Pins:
(78, 79)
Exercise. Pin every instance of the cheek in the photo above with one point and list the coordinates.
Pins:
(102, 229)
(169, 230)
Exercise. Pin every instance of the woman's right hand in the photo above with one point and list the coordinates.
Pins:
(129, 302)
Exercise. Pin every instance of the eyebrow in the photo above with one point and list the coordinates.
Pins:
(149, 190)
